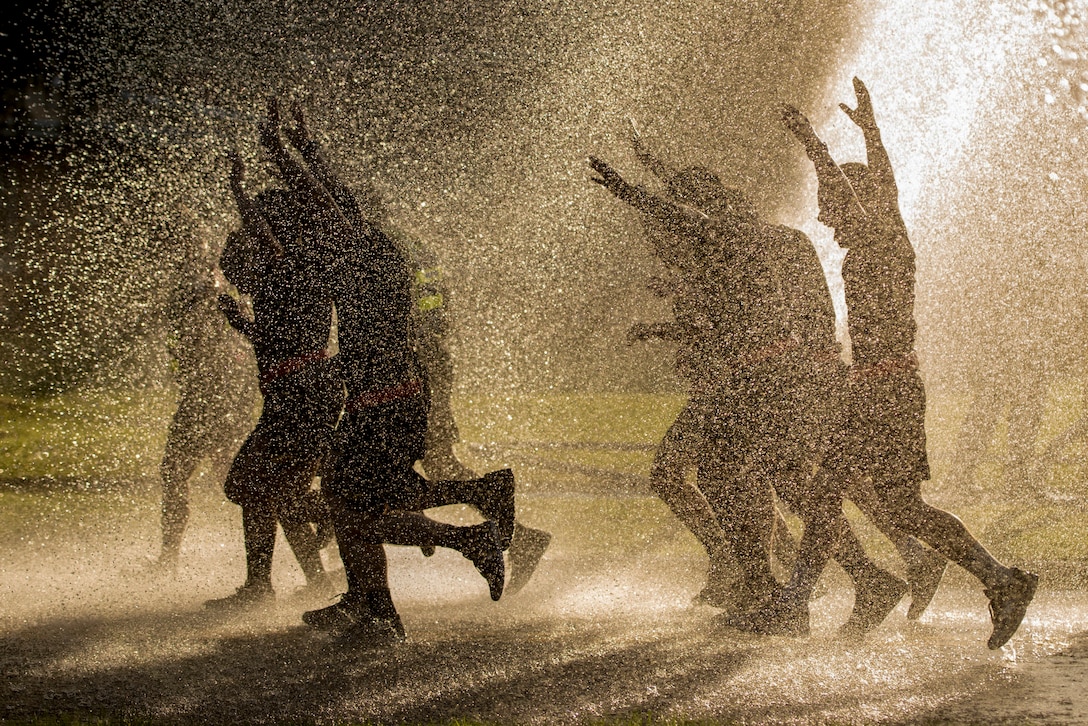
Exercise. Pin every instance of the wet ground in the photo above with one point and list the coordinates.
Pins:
(596, 635)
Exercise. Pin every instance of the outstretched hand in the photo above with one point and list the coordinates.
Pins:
(608, 177)
(863, 114)
(237, 168)
(798, 124)
(269, 129)
(298, 134)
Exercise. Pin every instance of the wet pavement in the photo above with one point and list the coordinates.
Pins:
(594, 636)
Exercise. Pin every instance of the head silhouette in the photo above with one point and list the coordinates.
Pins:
(240, 262)
(703, 189)
(283, 213)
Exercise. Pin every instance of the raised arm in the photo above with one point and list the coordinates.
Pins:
(656, 166)
(837, 196)
(310, 192)
(678, 218)
(876, 155)
(310, 151)
(253, 222)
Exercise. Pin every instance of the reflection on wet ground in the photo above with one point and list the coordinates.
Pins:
(597, 634)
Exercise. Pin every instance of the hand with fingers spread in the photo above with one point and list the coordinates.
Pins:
(607, 177)
(237, 171)
(269, 129)
(863, 114)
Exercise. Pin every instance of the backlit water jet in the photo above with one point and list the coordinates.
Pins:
(476, 121)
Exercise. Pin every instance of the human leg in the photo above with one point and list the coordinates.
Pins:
(744, 506)
(478, 543)
(876, 591)
(492, 495)
(1010, 589)
(178, 464)
(674, 454)
(246, 485)
(924, 566)
(367, 608)
(819, 504)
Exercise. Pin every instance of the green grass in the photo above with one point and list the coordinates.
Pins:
(84, 436)
(577, 418)
(112, 437)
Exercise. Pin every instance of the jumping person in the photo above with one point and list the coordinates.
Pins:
(883, 437)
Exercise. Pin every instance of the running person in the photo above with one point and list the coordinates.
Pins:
(812, 317)
(884, 433)
(429, 331)
(292, 316)
(756, 441)
(215, 403)
(373, 491)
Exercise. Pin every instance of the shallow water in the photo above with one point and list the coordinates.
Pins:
(594, 635)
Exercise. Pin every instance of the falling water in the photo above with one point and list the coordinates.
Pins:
(475, 121)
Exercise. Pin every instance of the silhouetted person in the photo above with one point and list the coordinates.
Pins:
(372, 488)
(884, 428)
(292, 316)
(429, 334)
(683, 443)
(813, 370)
(215, 402)
(764, 445)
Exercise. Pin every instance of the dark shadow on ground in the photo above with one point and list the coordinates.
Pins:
(189, 667)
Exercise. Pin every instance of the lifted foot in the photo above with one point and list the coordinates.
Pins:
(526, 550)
(1008, 605)
(482, 547)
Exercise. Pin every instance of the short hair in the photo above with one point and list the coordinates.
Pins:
(705, 184)
(238, 260)
(693, 179)
(283, 213)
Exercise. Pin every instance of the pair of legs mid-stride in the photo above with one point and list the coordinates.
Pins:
(376, 498)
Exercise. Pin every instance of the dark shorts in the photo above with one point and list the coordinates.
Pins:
(375, 449)
(774, 423)
(883, 431)
(209, 419)
(279, 459)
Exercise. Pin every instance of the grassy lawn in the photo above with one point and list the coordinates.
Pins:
(84, 436)
(86, 445)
